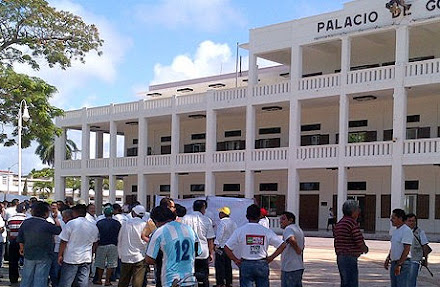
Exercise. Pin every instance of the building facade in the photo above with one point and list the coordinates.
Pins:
(351, 111)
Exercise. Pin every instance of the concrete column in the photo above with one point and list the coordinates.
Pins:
(99, 144)
(174, 185)
(60, 155)
(98, 195)
(142, 189)
(209, 183)
(85, 144)
(249, 185)
(345, 58)
(343, 135)
(342, 189)
(113, 140)
(250, 130)
(85, 188)
(296, 67)
(142, 140)
(292, 197)
(253, 70)
(112, 189)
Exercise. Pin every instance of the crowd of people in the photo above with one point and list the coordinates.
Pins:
(62, 244)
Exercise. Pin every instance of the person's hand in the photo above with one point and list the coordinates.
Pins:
(210, 258)
(60, 260)
(269, 259)
(21, 251)
(237, 262)
(386, 264)
(424, 262)
(397, 270)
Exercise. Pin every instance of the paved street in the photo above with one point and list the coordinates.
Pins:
(321, 269)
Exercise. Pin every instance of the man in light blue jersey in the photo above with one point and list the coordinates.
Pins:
(177, 241)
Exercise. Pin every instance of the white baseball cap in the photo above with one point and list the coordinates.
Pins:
(139, 210)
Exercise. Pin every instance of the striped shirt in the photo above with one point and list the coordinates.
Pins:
(13, 224)
(177, 242)
(348, 237)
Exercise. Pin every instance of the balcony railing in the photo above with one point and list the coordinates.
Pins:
(270, 154)
(191, 99)
(371, 75)
(158, 160)
(317, 152)
(320, 82)
(229, 156)
(190, 158)
(272, 89)
(126, 108)
(422, 146)
(71, 164)
(98, 111)
(97, 163)
(158, 104)
(423, 68)
(369, 149)
(230, 95)
(125, 162)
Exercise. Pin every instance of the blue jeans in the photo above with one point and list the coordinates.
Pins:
(413, 273)
(348, 270)
(55, 269)
(254, 271)
(70, 272)
(292, 278)
(35, 273)
(401, 280)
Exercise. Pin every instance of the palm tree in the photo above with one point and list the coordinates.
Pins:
(46, 151)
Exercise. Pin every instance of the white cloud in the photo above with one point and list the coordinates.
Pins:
(205, 15)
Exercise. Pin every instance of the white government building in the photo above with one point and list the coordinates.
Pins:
(351, 111)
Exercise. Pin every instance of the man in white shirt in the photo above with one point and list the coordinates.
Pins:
(223, 267)
(11, 210)
(263, 219)
(292, 263)
(131, 249)
(250, 244)
(202, 226)
(91, 213)
(399, 256)
(76, 248)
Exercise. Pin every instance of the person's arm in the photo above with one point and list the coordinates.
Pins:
(294, 243)
(21, 249)
(61, 252)
(277, 252)
(232, 256)
(150, 260)
(386, 264)
(211, 249)
(403, 257)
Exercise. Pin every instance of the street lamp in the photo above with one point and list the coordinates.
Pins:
(23, 114)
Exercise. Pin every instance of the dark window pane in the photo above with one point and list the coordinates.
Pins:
(198, 136)
(387, 135)
(164, 188)
(134, 188)
(231, 187)
(385, 205)
(268, 186)
(357, 124)
(423, 206)
(411, 185)
(307, 186)
(357, 185)
(165, 139)
(165, 149)
(312, 127)
(268, 131)
(413, 119)
(235, 133)
(197, 187)
(437, 206)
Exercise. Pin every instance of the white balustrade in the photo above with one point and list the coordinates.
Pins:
(71, 164)
(317, 152)
(229, 156)
(158, 160)
(154, 104)
(190, 158)
(97, 163)
(270, 154)
(230, 95)
(422, 146)
(423, 68)
(72, 115)
(369, 149)
(320, 82)
(125, 162)
(272, 89)
(126, 108)
(371, 75)
(99, 111)
(190, 99)
(274, 223)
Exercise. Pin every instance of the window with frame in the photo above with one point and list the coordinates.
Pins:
(362, 136)
(4, 179)
(197, 187)
(309, 186)
(418, 133)
(231, 187)
(357, 185)
(269, 131)
(269, 202)
(164, 188)
(268, 186)
(234, 133)
(311, 127)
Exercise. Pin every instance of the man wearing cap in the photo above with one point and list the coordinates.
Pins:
(131, 249)
(107, 250)
(263, 219)
(223, 267)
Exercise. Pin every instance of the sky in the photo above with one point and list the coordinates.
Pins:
(155, 41)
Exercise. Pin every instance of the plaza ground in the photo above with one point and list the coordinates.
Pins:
(321, 269)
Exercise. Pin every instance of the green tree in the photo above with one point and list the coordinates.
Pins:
(32, 32)
(45, 186)
(46, 152)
